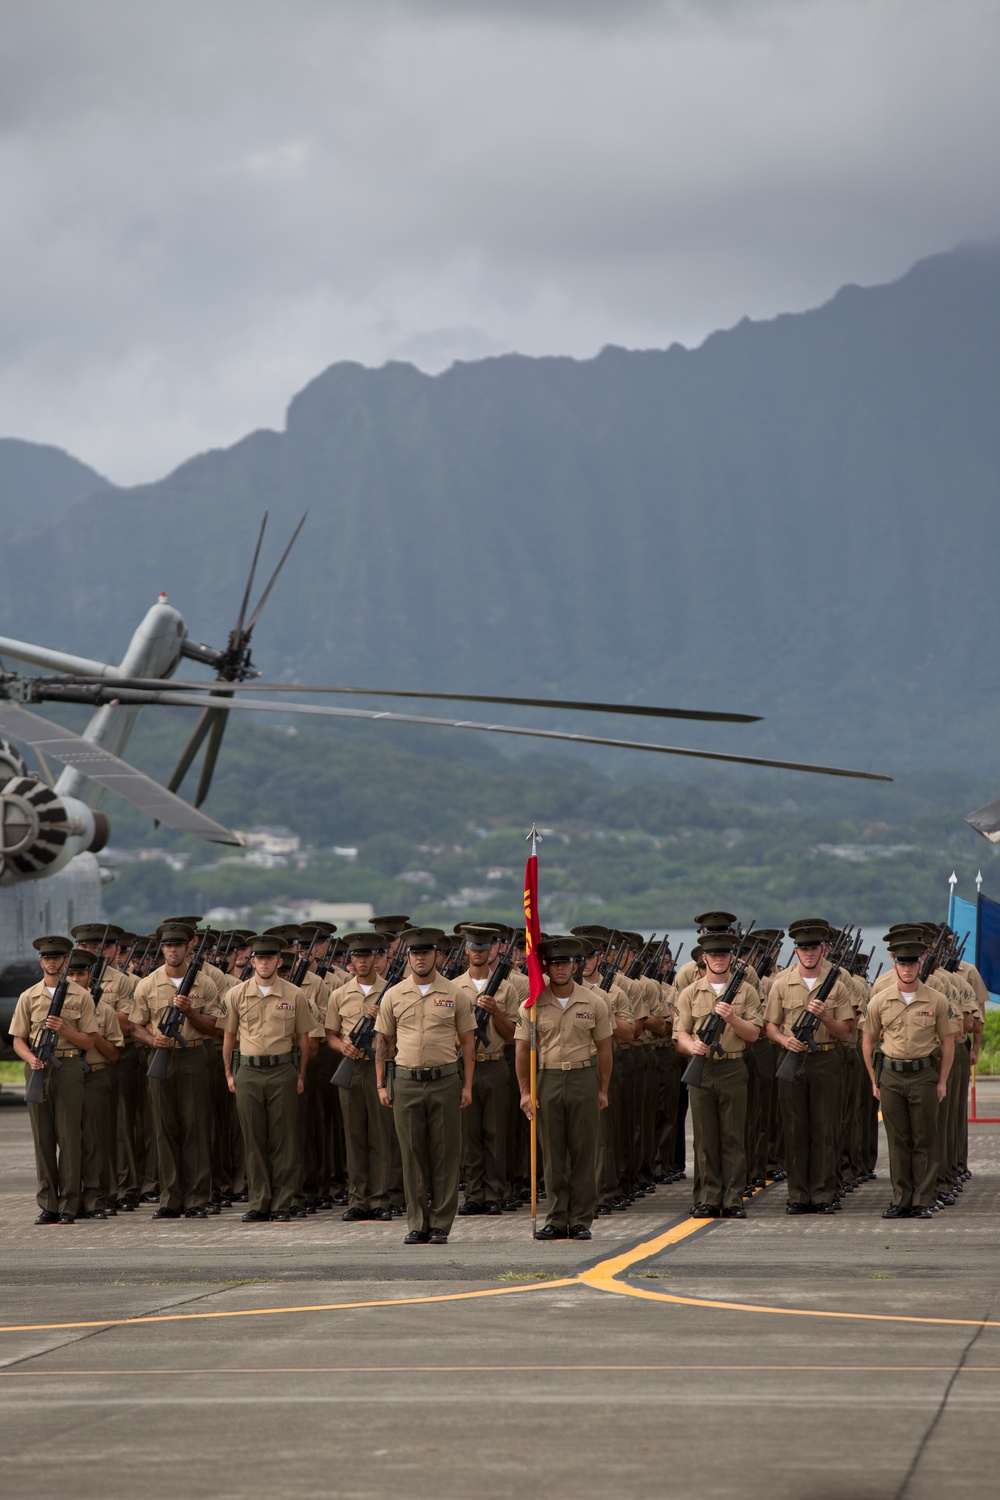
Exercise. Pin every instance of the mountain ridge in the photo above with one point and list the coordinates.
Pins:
(796, 518)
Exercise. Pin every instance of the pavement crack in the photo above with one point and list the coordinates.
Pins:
(110, 1327)
(942, 1405)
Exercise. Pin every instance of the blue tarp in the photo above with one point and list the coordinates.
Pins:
(964, 917)
(988, 944)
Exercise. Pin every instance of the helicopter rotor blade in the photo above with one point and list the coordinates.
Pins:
(986, 820)
(191, 749)
(238, 632)
(107, 770)
(186, 700)
(219, 722)
(272, 580)
(642, 710)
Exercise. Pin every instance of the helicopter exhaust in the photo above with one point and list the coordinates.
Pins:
(41, 830)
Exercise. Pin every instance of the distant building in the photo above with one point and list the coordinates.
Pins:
(345, 915)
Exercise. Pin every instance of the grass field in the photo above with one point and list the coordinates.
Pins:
(989, 1057)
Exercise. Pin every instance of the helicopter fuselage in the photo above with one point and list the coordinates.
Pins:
(50, 834)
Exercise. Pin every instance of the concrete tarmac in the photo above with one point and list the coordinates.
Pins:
(782, 1357)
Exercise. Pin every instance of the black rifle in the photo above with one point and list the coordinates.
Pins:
(362, 1034)
(609, 966)
(933, 956)
(502, 968)
(769, 957)
(808, 1024)
(172, 1021)
(953, 963)
(638, 964)
(96, 985)
(452, 966)
(652, 965)
(44, 1047)
(711, 1029)
(301, 967)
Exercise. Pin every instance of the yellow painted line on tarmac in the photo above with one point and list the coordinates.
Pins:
(170, 1374)
(270, 1312)
(602, 1277)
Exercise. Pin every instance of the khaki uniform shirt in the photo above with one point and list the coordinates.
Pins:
(650, 991)
(506, 998)
(109, 1027)
(266, 1025)
(858, 991)
(520, 985)
(317, 994)
(349, 1003)
(155, 994)
(972, 976)
(669, 1002)
(637, 1000)
(34, 1005)
(618, 1002)
(335, 977)
(566, 1034)
(118, 990)
(686, 974)
(697, 1002)
(909, 1031)
(426, 1027)
(790, 995)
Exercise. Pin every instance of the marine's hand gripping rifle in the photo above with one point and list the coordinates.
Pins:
(362, 1034)
(44, 1047)
(808, 1023)
(172, 1021)
(711, 1029)
(501, 969)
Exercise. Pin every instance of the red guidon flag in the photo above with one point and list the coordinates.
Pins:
(532, 930)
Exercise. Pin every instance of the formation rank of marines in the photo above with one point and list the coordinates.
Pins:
(190, 1070)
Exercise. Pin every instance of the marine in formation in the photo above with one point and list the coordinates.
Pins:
(292, 1072)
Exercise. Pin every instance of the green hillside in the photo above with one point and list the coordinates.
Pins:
(443, 834)
(799, 518)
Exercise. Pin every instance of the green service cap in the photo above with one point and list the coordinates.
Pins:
(421, 938)
(366, 942)
(911, 932)
(906, 948)
(808, 935)
(266, 945)
(390, 926)
(715, 921)
(95, 932)
(174, 932)
(52, 947)
(718, 942)
(81, 959)
(479, 939)
(595, 933)
(554, 948)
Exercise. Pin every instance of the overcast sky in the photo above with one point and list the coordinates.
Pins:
(206, 202)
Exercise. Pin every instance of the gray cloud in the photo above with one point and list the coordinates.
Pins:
(205, 205)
